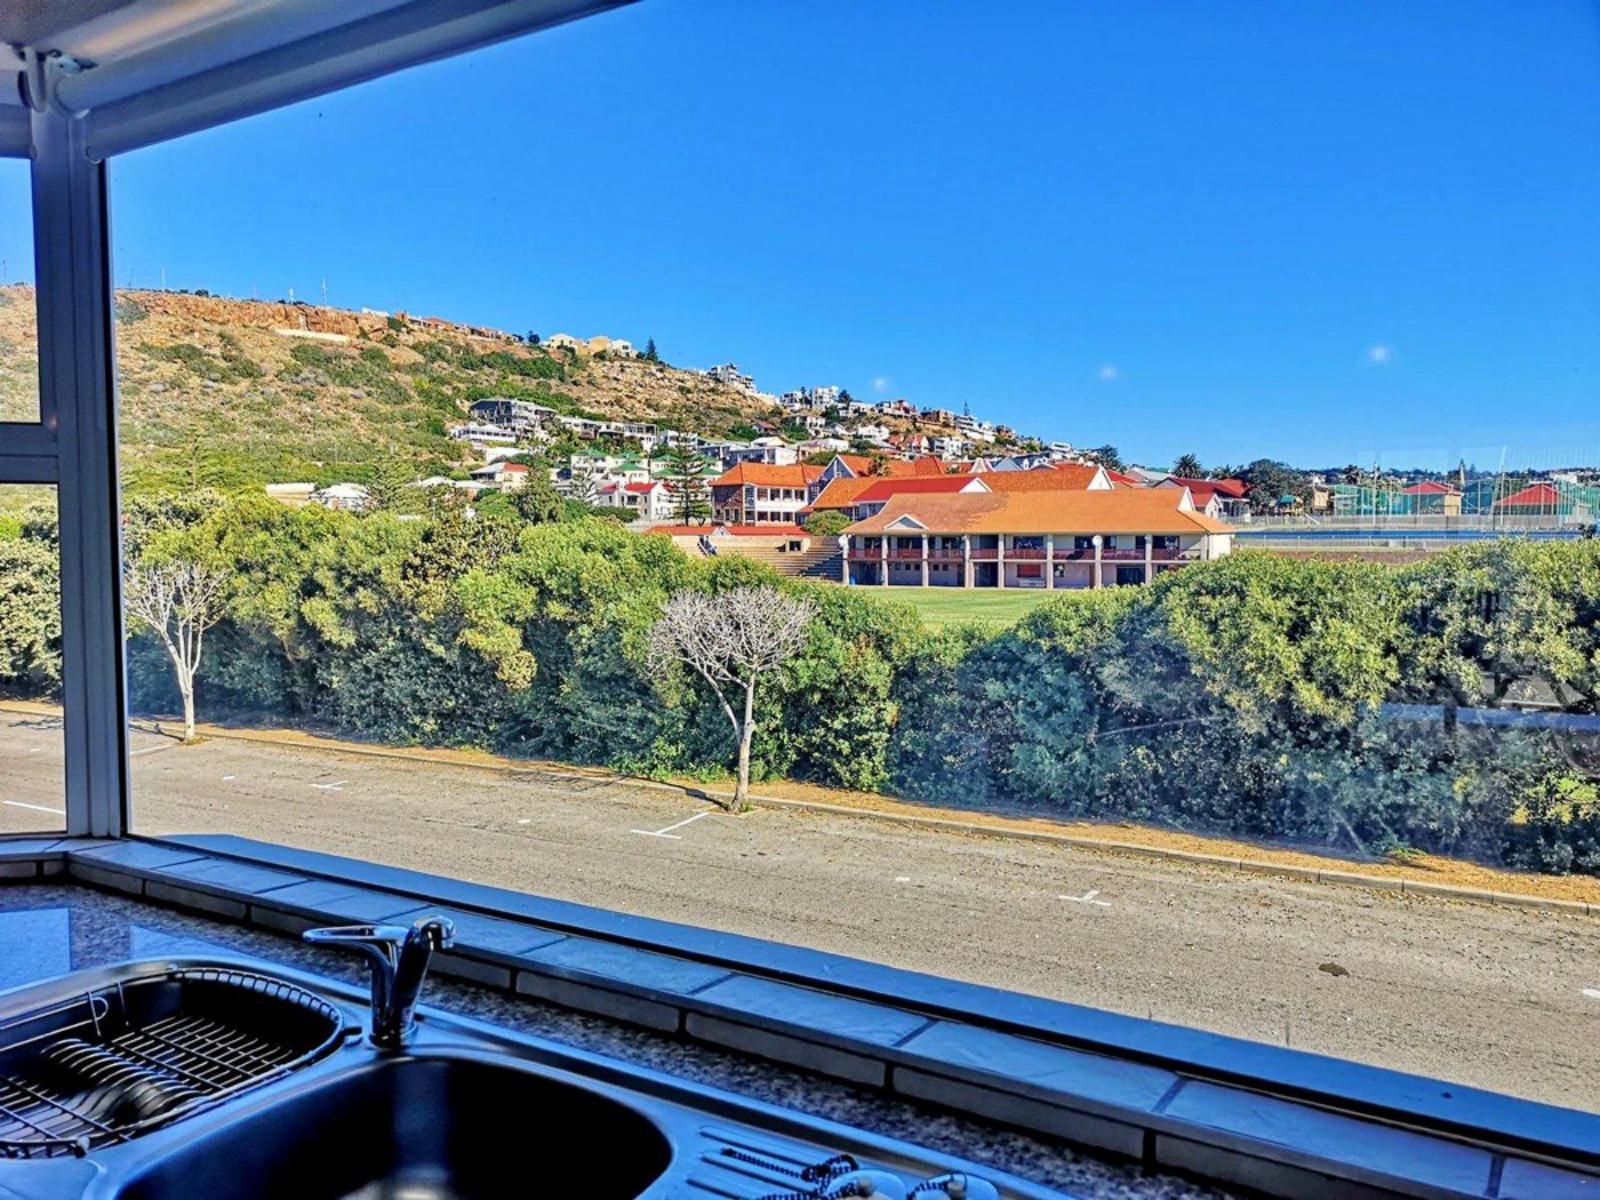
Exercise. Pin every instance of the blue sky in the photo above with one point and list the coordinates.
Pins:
(1316, 231)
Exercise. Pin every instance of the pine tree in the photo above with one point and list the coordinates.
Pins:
(691, 503)
(650, 351)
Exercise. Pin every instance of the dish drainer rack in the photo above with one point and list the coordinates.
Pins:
(107, 1065)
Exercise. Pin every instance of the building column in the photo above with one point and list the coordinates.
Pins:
(1050, 561)
(924, 560)
(1000, 560)
(844, 562)
(966, 560)
(1099, 578)
(1149, 557)
(883, 561)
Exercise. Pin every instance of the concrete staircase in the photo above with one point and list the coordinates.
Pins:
(819, 562)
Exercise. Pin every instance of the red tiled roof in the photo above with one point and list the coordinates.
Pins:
(1066, 476)
(1232, 488)
(863, 464)
(642, 487)
(842, 491)
(1430, 487)
(1064, 510)
(1537, 495)
(882, 489)
(923, 464)
(768, 475)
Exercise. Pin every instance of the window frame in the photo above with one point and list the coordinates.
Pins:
(73, 447)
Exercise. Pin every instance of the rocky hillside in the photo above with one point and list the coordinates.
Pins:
(233, 392)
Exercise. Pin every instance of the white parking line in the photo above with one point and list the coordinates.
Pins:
(147, 750)
(58, 812)
(667, 831)
(1592, 993)
(331, 787)
(1087, 898)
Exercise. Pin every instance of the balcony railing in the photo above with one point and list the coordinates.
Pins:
(1173, 554)
(1025, 552)
(1070, 554)
(945, 555)
(1110, 554)
(913, 553)
(985, 554)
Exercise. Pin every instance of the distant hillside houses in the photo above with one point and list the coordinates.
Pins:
(599, 344)
(730, 374)
(812, 399)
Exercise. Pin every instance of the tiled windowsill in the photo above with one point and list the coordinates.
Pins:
(1280, 1121)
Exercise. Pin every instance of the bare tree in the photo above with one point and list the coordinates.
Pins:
(177, 599)
(731, 640)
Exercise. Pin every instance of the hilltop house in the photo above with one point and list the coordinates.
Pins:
(507, 476)
(342, 497)
(761, 493)
(729, 373)
(479, 434)
(1224, 499)
(517, 416)
(645, 500)
(773, 451)
(1433, 498)
(1058, 538)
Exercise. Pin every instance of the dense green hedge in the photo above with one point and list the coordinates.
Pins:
(1238, 696)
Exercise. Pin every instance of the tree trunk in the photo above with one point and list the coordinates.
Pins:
(188, 709)
(741, 790)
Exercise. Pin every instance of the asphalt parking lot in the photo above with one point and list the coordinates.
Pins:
(1495, 997)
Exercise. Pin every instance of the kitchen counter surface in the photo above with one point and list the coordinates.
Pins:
(50, 929)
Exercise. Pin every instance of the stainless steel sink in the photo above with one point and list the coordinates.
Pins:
(422, 1128)
(463, 1109)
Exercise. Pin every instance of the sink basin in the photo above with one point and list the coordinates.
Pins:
(418, 1128)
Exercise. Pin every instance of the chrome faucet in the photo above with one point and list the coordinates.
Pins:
(399, 957)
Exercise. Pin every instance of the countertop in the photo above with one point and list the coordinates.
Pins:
(50, 929)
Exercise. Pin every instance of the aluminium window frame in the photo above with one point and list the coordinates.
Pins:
(73, 446)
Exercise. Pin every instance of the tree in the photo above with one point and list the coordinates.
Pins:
(650, 353)
(178, 598)
(685, 482)
(537, 502)
(390, 490)
(1188, 467)
(1107, 456)
(827, 522)
(731, 640)
(1269, 481)
(533, 338)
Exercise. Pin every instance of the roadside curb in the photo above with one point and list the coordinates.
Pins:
(1332, 877)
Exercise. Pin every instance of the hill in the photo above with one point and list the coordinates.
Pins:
(229, 393)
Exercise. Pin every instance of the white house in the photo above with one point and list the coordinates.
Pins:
(346, 497)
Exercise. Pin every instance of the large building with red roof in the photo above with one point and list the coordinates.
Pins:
(1060, 538)
(762, 493)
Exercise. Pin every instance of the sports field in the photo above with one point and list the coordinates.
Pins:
(950, 606)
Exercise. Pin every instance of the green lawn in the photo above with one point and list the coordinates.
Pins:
(950, 606)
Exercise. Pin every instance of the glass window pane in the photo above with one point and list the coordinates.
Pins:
(19, 333)
(32, 765)
(1274, 538)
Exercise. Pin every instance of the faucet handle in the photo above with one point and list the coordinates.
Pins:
(439, 931)
(383, 939)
